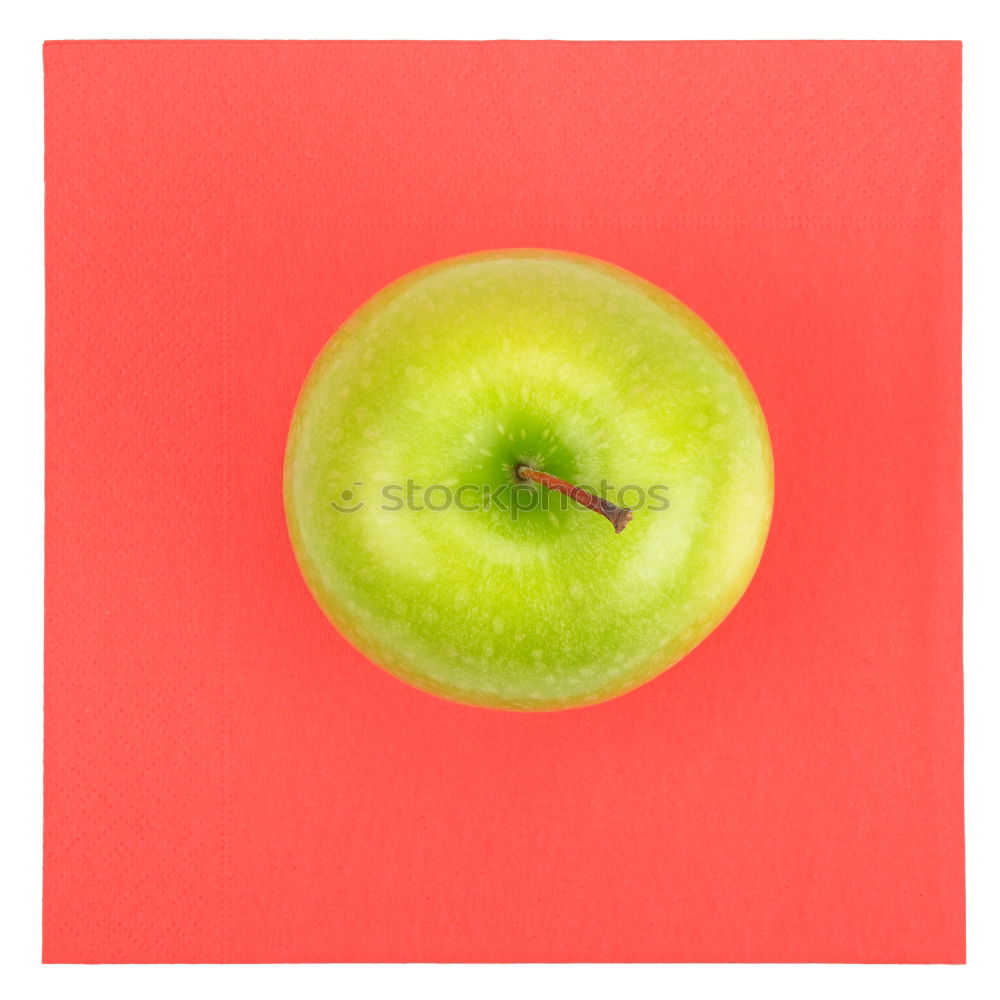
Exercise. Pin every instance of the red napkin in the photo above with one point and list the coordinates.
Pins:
(226, 779)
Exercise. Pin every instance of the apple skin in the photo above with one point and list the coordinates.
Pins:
(456, 373)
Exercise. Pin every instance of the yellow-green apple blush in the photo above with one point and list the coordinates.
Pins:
(527, 479)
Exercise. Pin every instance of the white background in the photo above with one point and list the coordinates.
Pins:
(21, 524)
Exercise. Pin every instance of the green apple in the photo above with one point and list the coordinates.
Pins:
(432, 448)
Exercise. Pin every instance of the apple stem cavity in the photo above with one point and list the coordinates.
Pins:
(618, 516)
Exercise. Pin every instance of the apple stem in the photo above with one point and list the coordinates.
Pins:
(618, 516)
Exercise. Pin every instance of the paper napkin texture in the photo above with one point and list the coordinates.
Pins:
(226, 779)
